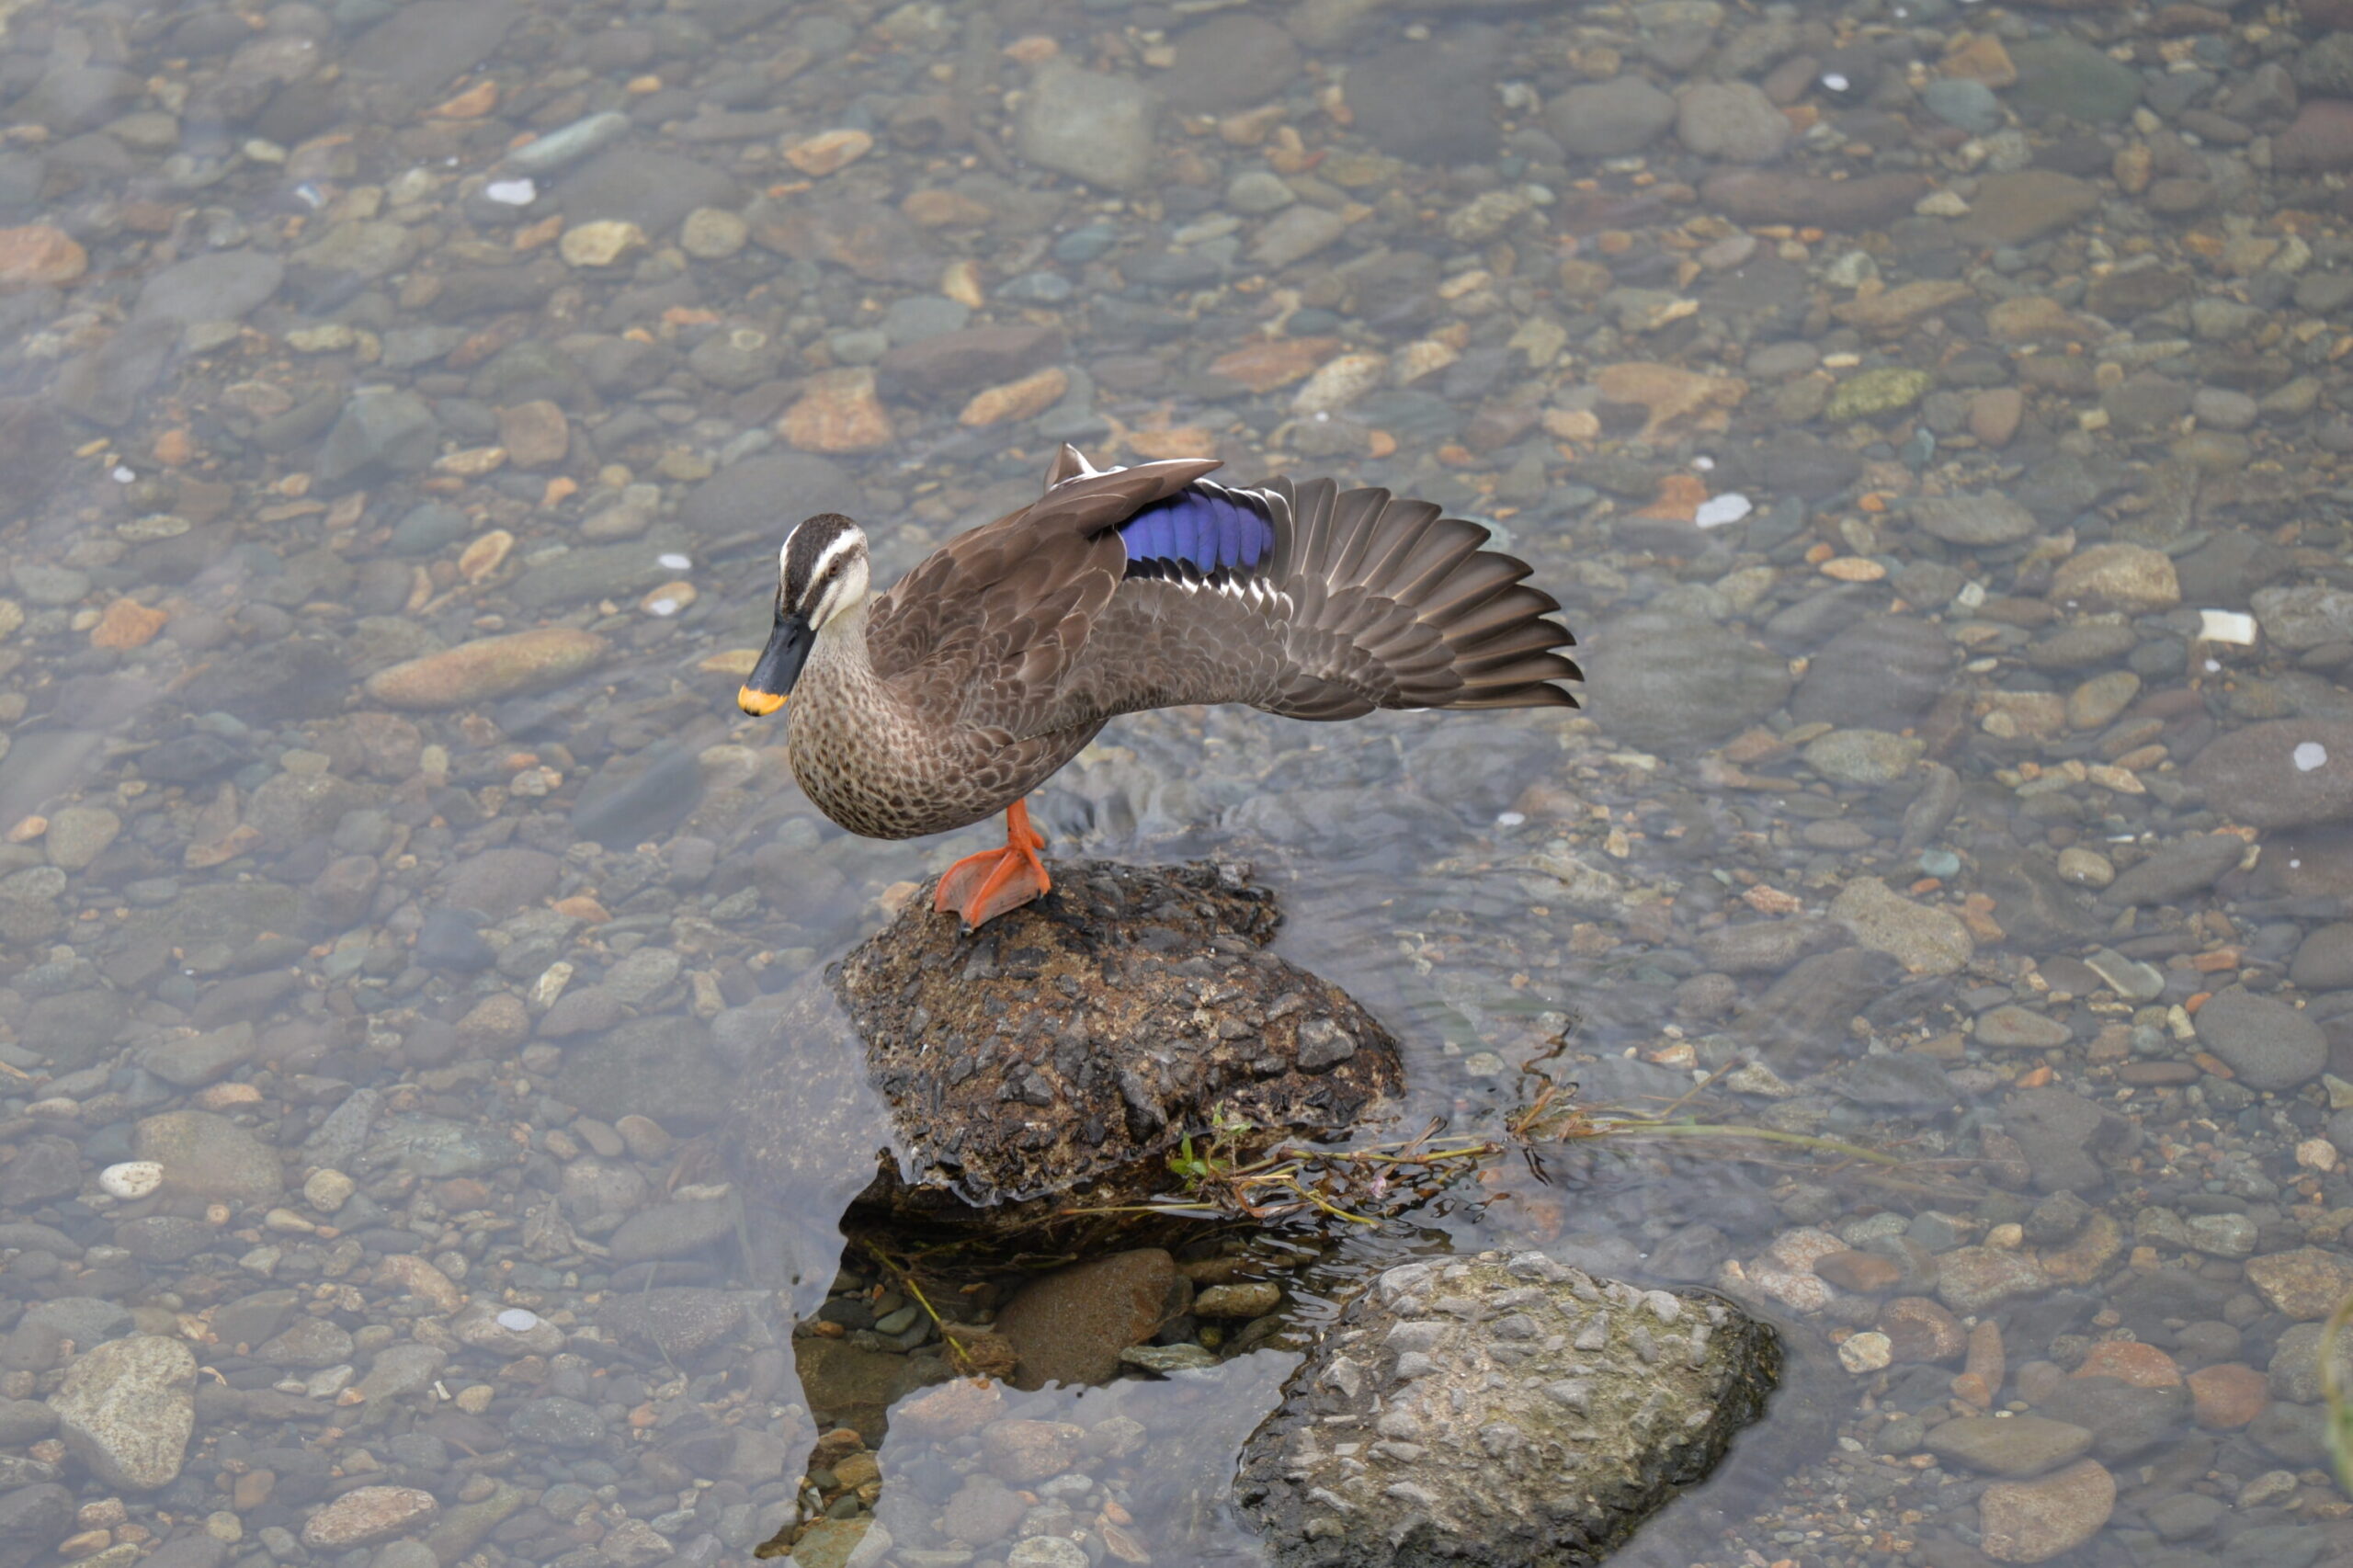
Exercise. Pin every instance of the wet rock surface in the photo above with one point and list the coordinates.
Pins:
(1060, 1053)
(1565, 1409)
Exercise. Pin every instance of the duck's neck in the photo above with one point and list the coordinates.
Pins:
(841, 649)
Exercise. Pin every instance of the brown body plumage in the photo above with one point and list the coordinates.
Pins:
(995, 660)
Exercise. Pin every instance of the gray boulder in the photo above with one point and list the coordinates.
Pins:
(1500, 1410)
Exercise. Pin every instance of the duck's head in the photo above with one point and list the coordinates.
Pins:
(821, 580)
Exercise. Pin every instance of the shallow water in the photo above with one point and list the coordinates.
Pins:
(1930, 414)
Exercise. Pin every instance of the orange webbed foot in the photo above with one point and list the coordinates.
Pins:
(980, 887)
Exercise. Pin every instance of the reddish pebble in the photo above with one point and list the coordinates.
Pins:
(2229, 1395)
(2142, 1366)
(37, 254)
(1863, 1271)
(1918, 1329)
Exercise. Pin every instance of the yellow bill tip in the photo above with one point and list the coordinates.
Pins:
(758, 704)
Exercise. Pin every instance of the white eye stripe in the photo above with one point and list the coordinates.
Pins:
(841, 545)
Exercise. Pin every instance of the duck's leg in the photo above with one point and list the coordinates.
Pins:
(982, 887)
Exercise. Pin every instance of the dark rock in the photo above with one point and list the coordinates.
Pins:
(107, 385)
(453, 940)
(768, 494)
(2066, 1138)
(33, 1519)
(1805, 1013)
(1610, 120)
(2123, 1420)
(1775, 196)
(1677, 686)
(1882, 672)
(2176, 871)
(659, 1067)
(953, 364)
(164, 1238)
(497, 882)
(2267, 1043)
(189, 758)
(1069, 1326)
(422, 46)
(385, 428)
(73, 1028)
(673, 1321)
(1639, 1393)
(674, 1229)
(217, 286)
(1433, 101)
(653, 190)
(1066, 1048)
(637, 798)
(877, 243)
(558, 1422)
(44, 1168)
(2031, 904)
(77, 97)
(300, 677)
(1229, 62)
(2280, 773)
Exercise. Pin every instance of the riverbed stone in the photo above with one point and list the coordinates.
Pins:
(207, 1155)
(1069, 1326)
(1048, 1056)
(127, 1409)
(2267, 1043)
(1524, 1367)
(2033, 1521)
(1676, 686)
(1089, 125)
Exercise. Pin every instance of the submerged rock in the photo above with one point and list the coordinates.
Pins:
(1494, 1410)
(1062, 1053)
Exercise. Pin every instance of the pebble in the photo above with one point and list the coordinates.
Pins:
(127, 1409)
(713, 233)
(2015, 1447)
(1089, 125)
(2033, 1521)
(2267, 1044)
(2304, 1284)
(490, 668)
(37, 254)
(367, 1515)
(600, 243)
(131, 1179)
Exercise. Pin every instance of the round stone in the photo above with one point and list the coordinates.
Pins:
(131, 1179)
(713, 234)
(601, 243)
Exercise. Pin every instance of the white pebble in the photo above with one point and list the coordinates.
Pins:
(519, 1320)
(2310, 755)
(1717, 510)
(673, 562)
(2231, 626)
(133, 1178)
(512, 192)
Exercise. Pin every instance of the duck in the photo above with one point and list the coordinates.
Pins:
(998, 657)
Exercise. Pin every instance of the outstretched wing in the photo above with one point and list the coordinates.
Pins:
(982, 631)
